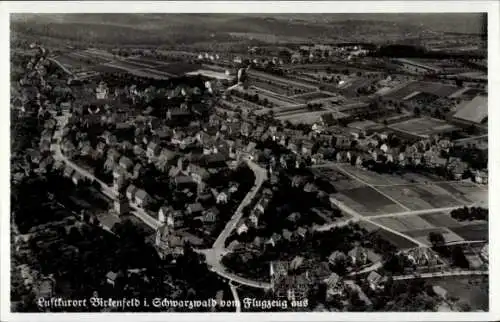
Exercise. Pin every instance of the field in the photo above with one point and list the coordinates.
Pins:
(312, 96)
(438, 89)
(404, 223)
(422, 126)
(273, 98)
(422, 235)
(396, 240)
(467, 191)
(178, 68)
(279, 89)
(440, 220)
(350, 89)
(368, 202)
(472, 231)
(413, 191)
(302, 118)
(420, 197)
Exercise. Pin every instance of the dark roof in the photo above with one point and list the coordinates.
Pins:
(141, 194)
(131, 188)
(126, 162)
(183, 179)
(195, 207)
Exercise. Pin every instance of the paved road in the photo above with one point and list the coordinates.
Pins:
(419, 212)
(66, 70)
(213, 256)
(234, 291)
(260, 177)
(440, 274)
(470, 139)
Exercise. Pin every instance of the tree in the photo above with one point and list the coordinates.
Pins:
(458, 257)
(436, 239)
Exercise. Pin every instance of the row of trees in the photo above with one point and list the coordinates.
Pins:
(472, 213)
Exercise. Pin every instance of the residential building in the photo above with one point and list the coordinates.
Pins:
(334, 287)
(126, 163)
(194, 209)
(142, 198)
(130, 193)
(485, 253)
(167, 242)
(335, 257)
(374, 279)
(163, 214)
(358, 256)
(111, 278)
(121, 206)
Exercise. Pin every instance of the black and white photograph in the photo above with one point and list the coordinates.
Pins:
(246, 162)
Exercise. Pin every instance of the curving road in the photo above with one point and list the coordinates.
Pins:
(235, 296)
(213, 256)
(260, 177)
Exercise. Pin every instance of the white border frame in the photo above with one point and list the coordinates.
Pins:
(491, 7)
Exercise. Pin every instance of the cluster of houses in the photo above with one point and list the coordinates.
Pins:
(293, 280)
(423, 258)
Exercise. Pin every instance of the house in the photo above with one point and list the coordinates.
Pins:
(138, 171)
(296, 263)
(142, 199)
(198, 173)
(45, 287)
(334, 287)
(111, 278)
(130, 193)
(254, 218)
(222, 198)
(485, 252)
(121, 206)
(262, 204)
(358, 255)
(211, 215)
(194, 209)
(277, 271)
(301, 232)
(169, 243)
(233, 245)
(335, 257)
(163, 214)
(77, 178)
(126, 163)
(274, 239)
(319, 272)
(214, 160)
(243, 228)
(287, 235)
(182, 181)
(374, 279)
(153, 150)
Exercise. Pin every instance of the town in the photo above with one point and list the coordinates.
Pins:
(350, 175)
